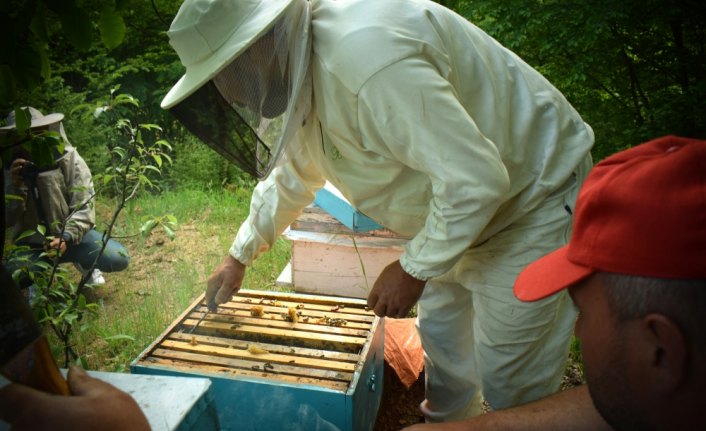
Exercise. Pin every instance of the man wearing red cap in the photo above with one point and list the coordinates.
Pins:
(636, 269)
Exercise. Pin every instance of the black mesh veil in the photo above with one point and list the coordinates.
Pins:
(210, 117)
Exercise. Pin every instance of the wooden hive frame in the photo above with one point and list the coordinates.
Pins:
(282, 337)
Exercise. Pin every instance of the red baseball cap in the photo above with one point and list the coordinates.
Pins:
(641, 212)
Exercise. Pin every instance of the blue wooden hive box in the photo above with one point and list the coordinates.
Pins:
(279, 361)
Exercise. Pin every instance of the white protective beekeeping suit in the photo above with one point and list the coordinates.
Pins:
(433, 129)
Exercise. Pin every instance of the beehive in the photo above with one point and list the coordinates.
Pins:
(276, 359)
(328, 258)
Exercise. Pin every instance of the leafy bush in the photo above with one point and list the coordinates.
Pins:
(198, 167)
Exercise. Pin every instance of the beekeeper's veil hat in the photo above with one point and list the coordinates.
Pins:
(246, 89)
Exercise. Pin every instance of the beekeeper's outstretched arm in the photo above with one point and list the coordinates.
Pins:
(276, 202)
(225, 280)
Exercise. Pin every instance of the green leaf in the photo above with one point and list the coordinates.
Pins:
(70, 318)
(168, 158)
(23, 119)
(112, 28)
(41, 148)
(126, 98)
(149, 126)
(26, 64)
(147, 227)
(41, 229)
(77, 27)
(10, 197)
(170, 233)
(45, 70)
(8, 85)
(25, 234)
(39, 24)
(119, 151)
(163, 143)
(152, 168)
(145, 180)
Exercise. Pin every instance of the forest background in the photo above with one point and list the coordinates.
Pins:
(634, 70)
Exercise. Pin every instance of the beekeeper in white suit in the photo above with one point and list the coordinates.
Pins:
(428, 126)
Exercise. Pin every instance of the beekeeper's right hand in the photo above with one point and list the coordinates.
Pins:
(224, 282)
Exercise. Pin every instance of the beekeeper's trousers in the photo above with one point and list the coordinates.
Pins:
(478, 338)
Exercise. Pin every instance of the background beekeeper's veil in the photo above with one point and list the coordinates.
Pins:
(246, 89)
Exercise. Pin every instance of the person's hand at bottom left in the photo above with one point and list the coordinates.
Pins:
(94, 404)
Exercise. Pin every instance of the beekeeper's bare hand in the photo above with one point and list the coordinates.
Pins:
(224, 281)
(57, 245)
(93, 404)
(395, 292)
(16, 172)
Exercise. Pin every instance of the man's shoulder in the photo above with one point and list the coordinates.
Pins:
(354, 39)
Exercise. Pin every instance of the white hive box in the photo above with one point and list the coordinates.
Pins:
(329, 258)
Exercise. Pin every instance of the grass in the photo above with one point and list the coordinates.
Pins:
(164, 277)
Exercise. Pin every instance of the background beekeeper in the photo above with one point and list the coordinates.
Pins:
(428, 126)
(63, 204)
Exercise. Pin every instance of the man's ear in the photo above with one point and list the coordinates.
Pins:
(668, 348)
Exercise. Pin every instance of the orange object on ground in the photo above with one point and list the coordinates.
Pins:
(403, 349)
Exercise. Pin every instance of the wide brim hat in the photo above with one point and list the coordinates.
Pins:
(38, 120)
(209, 34)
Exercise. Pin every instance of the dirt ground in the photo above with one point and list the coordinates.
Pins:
(399, 406)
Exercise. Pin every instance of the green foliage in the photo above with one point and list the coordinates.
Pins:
(168, 223)
(634, 69)
(56, 300)
(142, 64)
(137, 155)
(88, 47)
(196, 166)
(31, 26)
